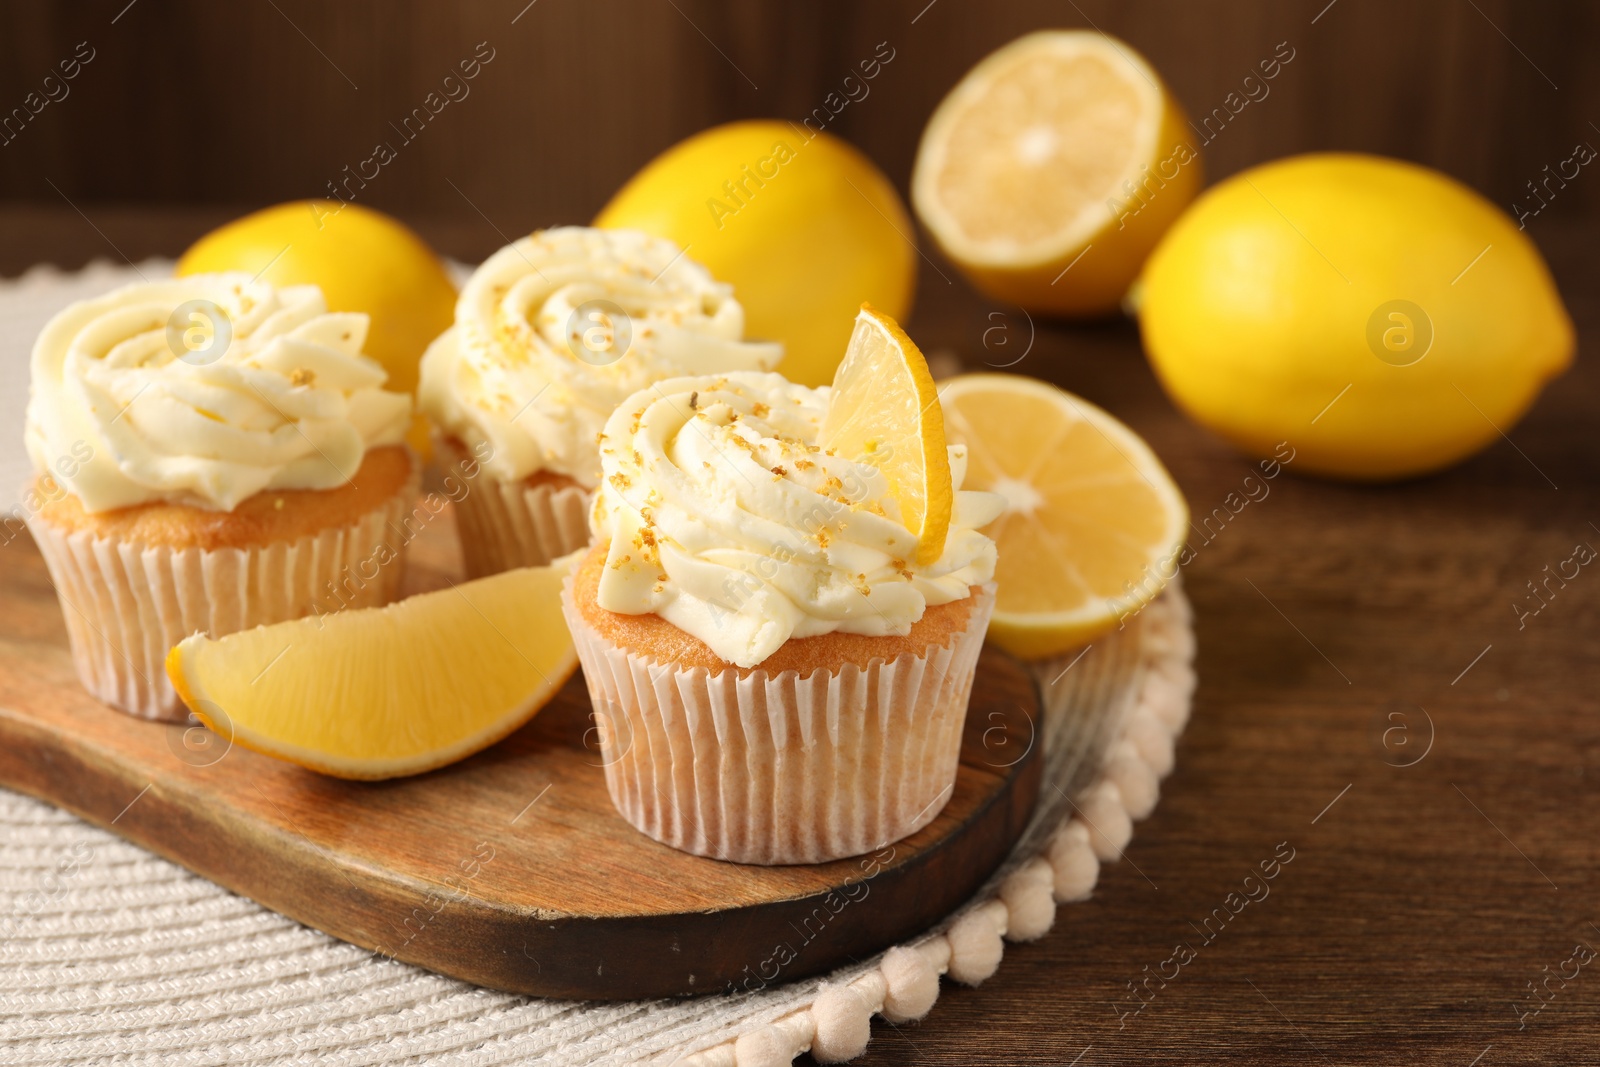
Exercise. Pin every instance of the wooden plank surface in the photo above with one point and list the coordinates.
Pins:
(517, 847)
(1420, 904)
(1417, 908)
(275, 100)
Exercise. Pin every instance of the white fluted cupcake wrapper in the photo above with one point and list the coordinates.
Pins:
(837, 1025)
(782, 768)
(126, 604)
(503, 525)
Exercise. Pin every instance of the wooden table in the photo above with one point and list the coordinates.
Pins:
(1422, 899)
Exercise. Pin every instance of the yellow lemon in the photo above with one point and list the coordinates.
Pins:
(1052, 169)
(1093, 525)
(804, 226)
(383, 692)
(884, 410)
(1382, 319)
(363, 260)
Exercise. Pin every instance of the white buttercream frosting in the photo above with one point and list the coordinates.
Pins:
(539, 357)
(725, 518)
(205, 390)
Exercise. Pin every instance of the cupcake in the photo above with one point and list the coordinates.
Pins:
(551, 333)
(211, 453)
(778, 679)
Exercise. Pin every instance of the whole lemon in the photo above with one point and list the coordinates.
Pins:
(803, 225)
(362, 259)
(1381, 318)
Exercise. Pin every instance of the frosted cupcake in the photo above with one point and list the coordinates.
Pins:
(211, 453)
(779, 680)
(551, 333)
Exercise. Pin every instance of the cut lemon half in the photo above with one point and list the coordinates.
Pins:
(1053, 168)
(382, 692)
(884, 411)
(1093, 525)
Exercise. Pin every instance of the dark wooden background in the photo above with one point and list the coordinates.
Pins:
(1424, 901)
(247, 103)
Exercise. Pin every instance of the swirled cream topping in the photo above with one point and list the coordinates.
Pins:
(554, 330)
(725, 518)
(205, 390)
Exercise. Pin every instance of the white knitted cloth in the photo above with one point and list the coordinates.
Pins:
(110, 953)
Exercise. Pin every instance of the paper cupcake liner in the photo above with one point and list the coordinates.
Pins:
(126, 603)
(780, 769)
(511, 524)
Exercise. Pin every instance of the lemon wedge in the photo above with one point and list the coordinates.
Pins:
(1093, 524)
(1052, 169)
(382, 692)
(884, 411)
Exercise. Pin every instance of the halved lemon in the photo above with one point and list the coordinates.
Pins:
(1093, 525)
(1053, 168)
(885, 411)
(383, 692)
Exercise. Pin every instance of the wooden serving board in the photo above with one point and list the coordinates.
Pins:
(510, 869)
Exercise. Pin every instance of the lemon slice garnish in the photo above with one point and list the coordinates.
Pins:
(884, 411)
